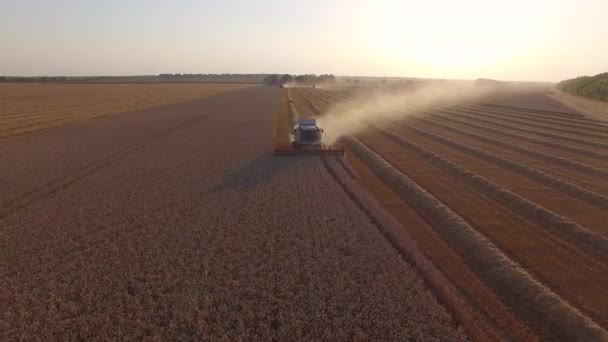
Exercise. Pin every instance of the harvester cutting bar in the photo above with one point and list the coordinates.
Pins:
(319, 150)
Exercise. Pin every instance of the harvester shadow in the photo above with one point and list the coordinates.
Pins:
(259, 171)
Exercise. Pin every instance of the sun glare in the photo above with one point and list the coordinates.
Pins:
(457, 35)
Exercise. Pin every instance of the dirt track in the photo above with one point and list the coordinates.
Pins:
(176, 222)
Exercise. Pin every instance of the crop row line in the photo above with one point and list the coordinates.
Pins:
(524, 130)
(316, 95)
(518, 287)
(552, 112)
(447, 293)
(594, 198)
(334, 93)
(556, 223)
(53, 111)
(576, 150)
(474, 113)
(533, 153)
(311, 104)
(581, 124)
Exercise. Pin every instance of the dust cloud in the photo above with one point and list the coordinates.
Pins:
(378, 106)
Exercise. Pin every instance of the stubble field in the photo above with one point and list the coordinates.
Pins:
(505, 195)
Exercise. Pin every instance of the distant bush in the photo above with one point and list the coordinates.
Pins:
(593, 87)
(276, 79)
(285, 79)
(308, 79)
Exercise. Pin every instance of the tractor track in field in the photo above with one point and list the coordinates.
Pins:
(503, 226)
(11, 118)
(106, 234)
(24, 200)
(23, 128)
(98, 235)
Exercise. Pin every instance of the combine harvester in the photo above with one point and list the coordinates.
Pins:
(307, 139)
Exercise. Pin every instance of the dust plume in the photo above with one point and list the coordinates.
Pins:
(381, 105)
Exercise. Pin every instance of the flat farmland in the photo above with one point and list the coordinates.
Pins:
(27, 107)
(176, 222)
(168, 217)
(506, 195)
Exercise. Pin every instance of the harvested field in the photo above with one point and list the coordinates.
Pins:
(27, 107)
(596, 110)
(187, 228)
(530, 183)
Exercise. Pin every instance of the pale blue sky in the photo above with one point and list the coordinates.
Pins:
(520, 39)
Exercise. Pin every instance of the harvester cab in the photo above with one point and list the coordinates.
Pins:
(307, 133)
(306, 139)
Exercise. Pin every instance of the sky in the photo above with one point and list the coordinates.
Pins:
(532, 40)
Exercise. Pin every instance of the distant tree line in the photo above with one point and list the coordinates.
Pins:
(167, 75)
(148, 78)
(32, 79)
(307, 79)
(593, 87)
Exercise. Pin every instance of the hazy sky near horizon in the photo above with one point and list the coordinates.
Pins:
(544, 40)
